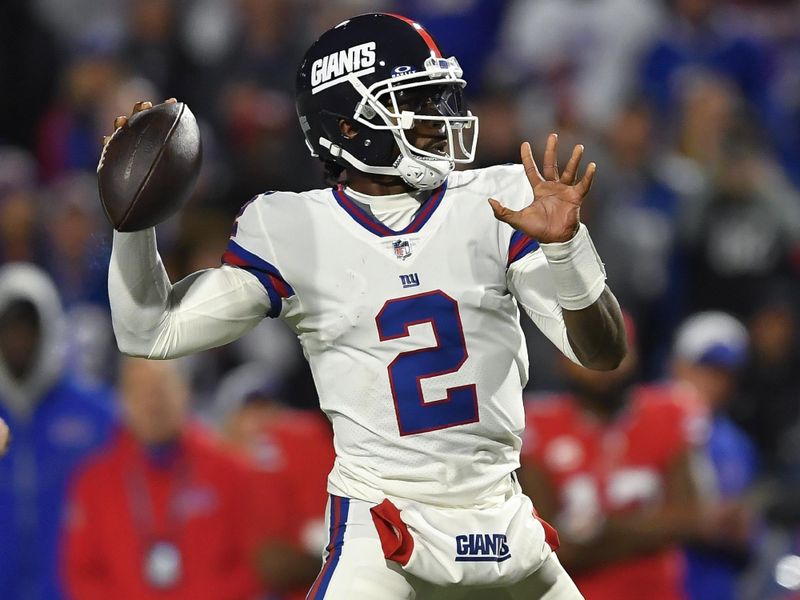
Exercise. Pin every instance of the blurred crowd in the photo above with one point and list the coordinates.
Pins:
(678, 476)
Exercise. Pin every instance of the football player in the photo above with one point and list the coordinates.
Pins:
(403, 284)
(617, 466)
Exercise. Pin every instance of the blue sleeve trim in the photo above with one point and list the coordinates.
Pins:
(519, 246)
(276, 286)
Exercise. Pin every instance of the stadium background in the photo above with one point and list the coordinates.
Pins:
(691, 108)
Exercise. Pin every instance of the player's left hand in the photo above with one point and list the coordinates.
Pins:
(554, 215)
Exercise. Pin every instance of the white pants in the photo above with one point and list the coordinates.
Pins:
(354, 568)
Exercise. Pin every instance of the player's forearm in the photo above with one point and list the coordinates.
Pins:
(591, 314)
(597, 333)
(155, 319)
(562, 289)
(138, 290)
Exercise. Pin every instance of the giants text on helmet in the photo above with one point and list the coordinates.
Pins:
(341, 62)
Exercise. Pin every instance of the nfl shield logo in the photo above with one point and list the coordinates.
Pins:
(402, 249)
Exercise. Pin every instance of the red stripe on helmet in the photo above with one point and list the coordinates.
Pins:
(420, 30)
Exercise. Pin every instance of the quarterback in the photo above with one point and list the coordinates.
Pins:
(403, 283)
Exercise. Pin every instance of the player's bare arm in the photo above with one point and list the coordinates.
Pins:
(596, 333)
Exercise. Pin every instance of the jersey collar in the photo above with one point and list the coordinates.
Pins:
(370, 224)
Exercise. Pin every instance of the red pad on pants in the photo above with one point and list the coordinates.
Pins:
(396, 540)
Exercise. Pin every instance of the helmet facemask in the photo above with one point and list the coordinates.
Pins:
(388, 105)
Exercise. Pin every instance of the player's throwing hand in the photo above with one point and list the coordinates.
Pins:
(120, 121)
(554, 216)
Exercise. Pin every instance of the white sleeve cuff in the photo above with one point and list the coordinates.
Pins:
(577, 270)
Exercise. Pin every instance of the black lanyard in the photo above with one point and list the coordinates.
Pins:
(143, 508)
(162, 563)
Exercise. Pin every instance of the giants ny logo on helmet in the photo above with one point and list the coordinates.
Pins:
(328, 69)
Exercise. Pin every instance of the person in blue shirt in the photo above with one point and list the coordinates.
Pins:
(709, 351)
(702, 40)
(55, 422)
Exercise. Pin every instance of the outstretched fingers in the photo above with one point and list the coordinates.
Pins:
(582, 187)
(571, 171)
(550, 164)
(531, 170)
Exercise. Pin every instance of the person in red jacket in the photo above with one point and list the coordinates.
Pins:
(162, 512)
(614, 466)
(293, 452)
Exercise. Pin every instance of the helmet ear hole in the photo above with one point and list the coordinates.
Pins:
(347, 129)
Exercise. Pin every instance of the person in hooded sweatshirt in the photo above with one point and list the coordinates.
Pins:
(56, 421)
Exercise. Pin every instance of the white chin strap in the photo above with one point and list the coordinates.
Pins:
(419, 172)
(423, 173)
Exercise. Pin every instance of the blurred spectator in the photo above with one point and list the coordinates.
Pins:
(261, 134)
(776, 575)
(20, 235)
(744, 236)
(269, 45)
(251, 102)
(575, 58)
(321, 15)
(710, 350)
(612, 465)
(151, 49)
(467, 30)
(78, 239)
(746, 230)
(766, 404)
(162, 512)
(780, 24)
(293, 453)
(76, 20)
(634, 222)
(700, 37)
(56, 422)
(91, 343)
(70, 131)
(500, 121)
(705, 36)
(28, 61)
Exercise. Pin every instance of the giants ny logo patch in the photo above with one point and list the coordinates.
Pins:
(410, 280)
(482, 547)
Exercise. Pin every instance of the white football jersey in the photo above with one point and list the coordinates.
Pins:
(413, 337)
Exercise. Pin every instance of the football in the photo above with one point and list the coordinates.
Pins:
(149, 166)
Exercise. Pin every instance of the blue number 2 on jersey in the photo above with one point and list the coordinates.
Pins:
(408, 369)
